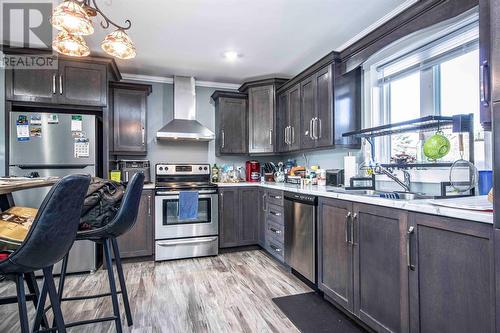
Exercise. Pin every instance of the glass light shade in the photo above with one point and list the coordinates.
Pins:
(72, 18)
(119, 45)
(71, 45)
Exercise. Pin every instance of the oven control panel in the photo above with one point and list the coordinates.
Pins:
(182, 169)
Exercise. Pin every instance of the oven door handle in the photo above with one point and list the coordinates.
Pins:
(184, 241)
(176, 194)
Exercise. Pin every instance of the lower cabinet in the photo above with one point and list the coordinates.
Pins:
(452, 286)
(238, 216)
(399, 271)
(138, 242)
(362, 262)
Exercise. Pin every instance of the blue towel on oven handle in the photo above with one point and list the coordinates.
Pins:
(188, 205)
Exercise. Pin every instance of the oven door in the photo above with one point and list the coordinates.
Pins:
(169, 225)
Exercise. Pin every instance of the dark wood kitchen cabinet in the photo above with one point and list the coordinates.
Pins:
(138, 242)
(249, 218)
(347, 108)
(81, 83)
(261, 114)
(335, 253)
(128, 117)
(27, 85)
(380, 268)
(238, 216)
(231, 122)
(362, 262)
(317, 109)
(452, 286)
(74, 82)
(288, 120)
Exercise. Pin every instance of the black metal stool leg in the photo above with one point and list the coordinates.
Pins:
(112, 285)
(121, 278)
(54, 299)
(33, 288)
(21, 303)
(40, 308)
(62, 279)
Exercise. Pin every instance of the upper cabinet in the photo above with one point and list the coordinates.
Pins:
(74, 82)
(231, 123)
(347, 107)
(288, 120)
(82, 83)
(261, 114)
(128, 117)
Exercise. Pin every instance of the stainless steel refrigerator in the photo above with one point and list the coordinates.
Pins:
(54, 144)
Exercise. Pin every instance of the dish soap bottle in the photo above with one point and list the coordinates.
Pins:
(215, 174)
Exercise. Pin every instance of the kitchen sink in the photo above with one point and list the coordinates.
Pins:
(385, 194)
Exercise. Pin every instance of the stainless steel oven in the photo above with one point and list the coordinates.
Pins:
(177, 238)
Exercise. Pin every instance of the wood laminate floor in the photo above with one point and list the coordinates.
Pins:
(228, 293)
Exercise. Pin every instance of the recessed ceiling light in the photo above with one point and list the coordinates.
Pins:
(231, 55)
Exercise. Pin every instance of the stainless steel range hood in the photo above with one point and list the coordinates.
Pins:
(184, 126)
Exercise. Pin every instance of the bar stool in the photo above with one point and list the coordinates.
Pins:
(123, 222)
(48, 241)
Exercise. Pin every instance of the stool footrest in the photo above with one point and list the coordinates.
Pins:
(80, 298)
(90, 321)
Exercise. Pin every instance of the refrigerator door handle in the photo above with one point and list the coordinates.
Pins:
(60, 85)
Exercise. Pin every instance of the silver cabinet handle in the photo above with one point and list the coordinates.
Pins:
(292, 130)
(286, 135)
(311, 128)
(276, 231)
(315, 128)
(485, 83)
(410, 231)
(274, 213)
(264, 202)
(126, 176)
(289, 141)
(275, 196)
(270, 136)
(347, 218)
(143, 136)
(60, 85)
(54, 83)
(223, 138)
(149, 205)
(318, 131)
(354, 219)
(275, 248)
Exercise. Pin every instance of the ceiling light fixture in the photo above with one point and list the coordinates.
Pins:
(231, 55)
(73, 19)
(69, 44)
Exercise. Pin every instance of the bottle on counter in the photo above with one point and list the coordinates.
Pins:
(215, 174)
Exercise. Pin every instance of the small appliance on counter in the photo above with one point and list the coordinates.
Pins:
(252, 171)
(335, 177)
(128, 168)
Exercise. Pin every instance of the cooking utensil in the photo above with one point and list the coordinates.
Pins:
(463, 174)
(436, 146)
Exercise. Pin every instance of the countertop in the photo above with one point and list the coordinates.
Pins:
(9, 185)
(419, 206)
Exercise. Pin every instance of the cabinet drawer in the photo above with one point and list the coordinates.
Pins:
(275, 213)
(276, 231)
(276, 249)
(275, 197)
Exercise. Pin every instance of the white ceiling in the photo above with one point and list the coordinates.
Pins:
(275, 37)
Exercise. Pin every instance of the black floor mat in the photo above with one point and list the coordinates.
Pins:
(310, 313)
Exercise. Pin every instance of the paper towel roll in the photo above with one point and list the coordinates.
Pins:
(350, 169)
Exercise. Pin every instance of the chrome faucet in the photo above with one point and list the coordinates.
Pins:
(406, 183)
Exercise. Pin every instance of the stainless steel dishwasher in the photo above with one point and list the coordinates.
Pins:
(300, 234)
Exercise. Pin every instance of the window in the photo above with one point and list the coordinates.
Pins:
(438, 78)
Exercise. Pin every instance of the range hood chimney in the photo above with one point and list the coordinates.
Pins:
(184, 126)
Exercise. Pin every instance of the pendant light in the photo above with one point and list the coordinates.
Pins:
(71, 45)
(72, 18)
(118, 44)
